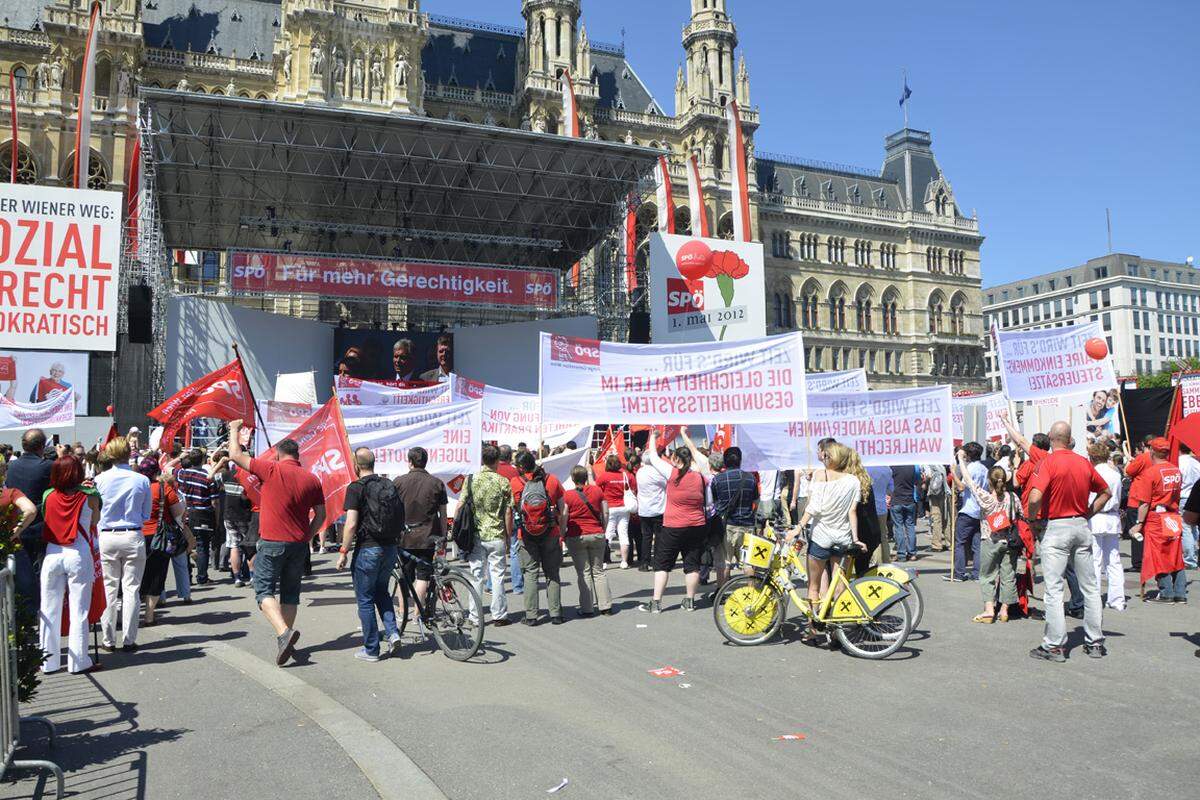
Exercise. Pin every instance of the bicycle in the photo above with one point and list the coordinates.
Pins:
(451, 611)
(867, 615)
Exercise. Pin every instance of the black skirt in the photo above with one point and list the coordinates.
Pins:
(154, 578)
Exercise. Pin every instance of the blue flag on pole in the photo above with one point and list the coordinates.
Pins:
(907, 93)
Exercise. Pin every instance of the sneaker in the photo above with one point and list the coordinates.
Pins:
(129, 648)
(287, 643)
(1054, 654)
(624, 565)
(239, 583)
(1160, 599)
(394, 644)
(1074, 613)
(557, 620)
(689, 604)
(1181, 600)
(953, 579)
(1095, 650)
(652, 607)
(363, 655)
(530, 621)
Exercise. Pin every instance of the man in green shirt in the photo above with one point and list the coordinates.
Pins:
(490, 493)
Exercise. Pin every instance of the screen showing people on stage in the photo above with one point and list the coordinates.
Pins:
(35, 376)
(408, 356)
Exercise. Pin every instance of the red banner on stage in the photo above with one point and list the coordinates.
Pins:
(355, 277)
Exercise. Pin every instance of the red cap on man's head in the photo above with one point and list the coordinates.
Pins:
(1160, 445)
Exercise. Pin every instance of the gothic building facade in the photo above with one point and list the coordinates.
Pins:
(880, 269)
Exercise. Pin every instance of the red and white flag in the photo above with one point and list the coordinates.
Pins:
(630, 244)
(570, 111)
(576, 275)
(223, 394)
(133, 188)
(325, 452)
(87, 88)
(740, 184)
(666, 203)
(612, 445)
(696, 200)
(12, 109)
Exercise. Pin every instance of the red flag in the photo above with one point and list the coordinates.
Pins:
(613, 445)
(576, 270)
(87, 88)
(631, 281)
(325, 452)
(1181, 429)
(133, 189)
(224, 394)
(112, 434)
(722, 439)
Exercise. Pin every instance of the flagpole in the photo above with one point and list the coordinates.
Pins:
(12, 107)
(250, 391)
(903, 93)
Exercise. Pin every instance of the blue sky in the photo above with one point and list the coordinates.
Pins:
(1043, 113)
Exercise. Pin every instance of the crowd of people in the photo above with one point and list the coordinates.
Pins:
(144, 515)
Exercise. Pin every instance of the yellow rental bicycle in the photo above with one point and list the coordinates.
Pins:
(867, 615)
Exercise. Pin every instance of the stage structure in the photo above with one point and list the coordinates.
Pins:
(228, 174)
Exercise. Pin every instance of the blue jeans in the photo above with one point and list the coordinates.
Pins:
(1075, 604)
(1173, 585)
(514, 569)
(1189, 546)
(966, 534)
(904, 529)
(371, 570)
(278, 571)
(182, 572)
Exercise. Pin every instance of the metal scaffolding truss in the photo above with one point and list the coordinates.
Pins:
(251, 174)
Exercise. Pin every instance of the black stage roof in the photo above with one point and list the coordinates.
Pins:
(236, 173)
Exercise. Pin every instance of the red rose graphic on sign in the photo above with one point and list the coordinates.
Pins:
(696, 260)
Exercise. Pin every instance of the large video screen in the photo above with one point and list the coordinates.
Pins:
(393, 355)
(32, 376)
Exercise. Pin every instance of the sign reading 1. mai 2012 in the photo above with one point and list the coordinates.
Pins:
(59, 256)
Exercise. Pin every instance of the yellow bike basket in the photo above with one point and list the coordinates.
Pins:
(757, 550)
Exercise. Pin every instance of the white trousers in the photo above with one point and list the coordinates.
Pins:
(618, 526)
(123, 559)
(1106, 554)
(492, 557)
(66, 570)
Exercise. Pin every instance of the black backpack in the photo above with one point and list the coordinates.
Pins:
(383, 512)
(465, 530)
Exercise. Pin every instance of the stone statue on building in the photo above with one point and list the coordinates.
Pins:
(710, 152)
(316, 60)
(400, 71)
(123, 83)
(526, 123)
(539, 123)
(41, 76)
(230, 89)
(338, 62)
(628, 136)
(287, 68)
(182, 86)
(489, 119)
(356, 74)
(589, 130)
(56, 74)
(376, 72)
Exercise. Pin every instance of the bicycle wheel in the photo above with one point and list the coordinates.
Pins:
(456, 618)
(748, 613)
(918, 602)
(396, 592)
(880, 637)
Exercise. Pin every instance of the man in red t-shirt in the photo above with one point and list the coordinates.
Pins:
(539, 551)
(1155, 492)
(1058, 500)
(292, 510)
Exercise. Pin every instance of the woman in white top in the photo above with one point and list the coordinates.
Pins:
(651, 505)
(999, 508)
(1106, 528)
(833, 495)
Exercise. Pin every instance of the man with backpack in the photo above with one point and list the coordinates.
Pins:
(939, 507)
(374, 526)
(539, 516)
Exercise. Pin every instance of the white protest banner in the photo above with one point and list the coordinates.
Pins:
(60, 251)
(902, 426)
(276, 420)
(705, 290)
(560, 466)
(57, 412)
(511, 417)
(356, 392)
(296, 387)
(1048, 363)
(449, 432)
(1189, 392)
(997, 410)
(850, 380)
(757, 380)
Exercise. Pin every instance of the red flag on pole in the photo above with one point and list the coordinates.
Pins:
(740, 185)
(576, 269)
(133, 188)
(612, 445)
(666, 201)
(223, 394)
(325, 452)
(631, 282)
(570, 108)
(83, 112)
(696, 200)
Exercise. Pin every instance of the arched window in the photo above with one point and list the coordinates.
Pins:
(646, 221)
(26, 167)
(862, 308)
(725, 227)
(810, 306)
(837, 307)
(935, 310)
(958, 314)
(21, 79)
(97, 172)
(889, 312)
(862, 252)
(683, 220)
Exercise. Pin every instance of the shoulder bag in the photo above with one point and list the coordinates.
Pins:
(164, 539)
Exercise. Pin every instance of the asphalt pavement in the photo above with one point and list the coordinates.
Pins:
(961, 711)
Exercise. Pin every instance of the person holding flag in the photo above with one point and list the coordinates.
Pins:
(292, 512)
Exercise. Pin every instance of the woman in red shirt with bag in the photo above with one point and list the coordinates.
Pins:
(165, 503)
(587, 518)
(69, 512)
(685, 523)
(618, 486)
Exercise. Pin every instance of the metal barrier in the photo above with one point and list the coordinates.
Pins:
(10, 719)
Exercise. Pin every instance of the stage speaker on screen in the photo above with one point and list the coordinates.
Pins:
(141, 313)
